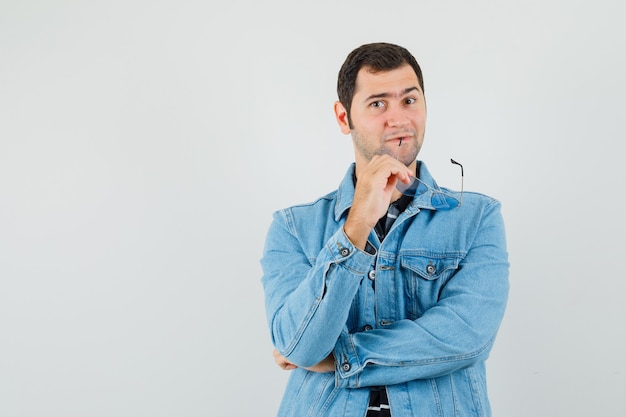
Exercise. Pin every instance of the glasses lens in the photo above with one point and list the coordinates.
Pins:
(438, 199)
(442, 201)
(415, 187)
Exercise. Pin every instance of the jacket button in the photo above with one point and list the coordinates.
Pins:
(346, 366)
(344, 251)
(431, 269)
(371, 275)
(367, 328)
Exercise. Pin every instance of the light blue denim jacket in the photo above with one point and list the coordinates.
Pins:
(418, 315)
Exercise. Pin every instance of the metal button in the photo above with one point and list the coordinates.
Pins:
(346, 366)
(344, 251)
(431, 269)
(367, 327)
(371, 275)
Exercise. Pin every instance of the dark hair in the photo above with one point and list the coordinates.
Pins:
(379, 56)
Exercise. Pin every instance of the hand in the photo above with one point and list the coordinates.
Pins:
(375, 190)
(282, 362)
(327, 365)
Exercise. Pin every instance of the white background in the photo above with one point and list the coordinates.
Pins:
(145, 144)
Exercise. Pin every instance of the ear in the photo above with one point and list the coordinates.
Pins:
(342, 117)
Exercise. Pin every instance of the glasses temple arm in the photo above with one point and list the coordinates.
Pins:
(456, 163)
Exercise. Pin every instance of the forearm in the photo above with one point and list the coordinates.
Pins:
(308, 303)
(456, 332)
(405, 351)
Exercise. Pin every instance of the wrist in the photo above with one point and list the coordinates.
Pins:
(357, 233)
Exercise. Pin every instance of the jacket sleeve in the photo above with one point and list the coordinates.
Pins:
(308, 295)
(457, 332)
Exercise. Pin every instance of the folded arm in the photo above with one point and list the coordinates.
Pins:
(457, 332)
(308, 296)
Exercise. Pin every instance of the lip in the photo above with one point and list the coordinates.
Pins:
(399, 135)
(397, 139)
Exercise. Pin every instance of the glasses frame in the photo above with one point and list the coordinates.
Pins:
(403, 189)
(459, 164)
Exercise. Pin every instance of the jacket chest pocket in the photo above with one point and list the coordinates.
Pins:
(424, 278)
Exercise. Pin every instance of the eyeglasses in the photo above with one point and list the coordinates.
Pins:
(439, 199)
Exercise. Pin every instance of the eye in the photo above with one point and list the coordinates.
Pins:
(410, 100)
(377, 104)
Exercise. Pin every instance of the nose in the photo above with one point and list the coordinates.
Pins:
(397, 120)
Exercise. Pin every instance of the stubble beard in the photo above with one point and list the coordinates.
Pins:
(406, 153)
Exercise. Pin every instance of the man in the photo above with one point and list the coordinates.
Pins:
(379, 302)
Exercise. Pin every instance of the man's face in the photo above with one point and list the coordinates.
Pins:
(388, 115)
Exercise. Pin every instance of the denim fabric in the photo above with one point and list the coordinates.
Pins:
(418, 315)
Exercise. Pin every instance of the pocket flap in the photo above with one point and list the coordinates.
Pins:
(429, 267)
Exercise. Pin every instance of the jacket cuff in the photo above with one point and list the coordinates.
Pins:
(349, 256)
(347, 363)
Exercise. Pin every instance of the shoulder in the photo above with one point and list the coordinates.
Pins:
(315, 207)
(479, 199)
(318, 202)
(475, 208)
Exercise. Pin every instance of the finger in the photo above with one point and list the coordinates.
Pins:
(388, 166)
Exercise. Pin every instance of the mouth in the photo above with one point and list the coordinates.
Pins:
(397, 140)
(398, 137)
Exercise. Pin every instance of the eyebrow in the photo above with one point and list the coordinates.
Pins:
(385, 95)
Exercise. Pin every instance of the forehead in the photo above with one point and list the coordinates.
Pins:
(392, 82)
